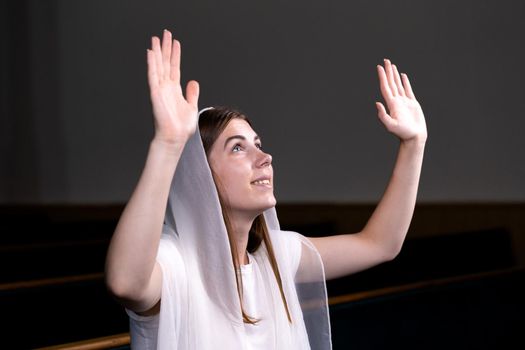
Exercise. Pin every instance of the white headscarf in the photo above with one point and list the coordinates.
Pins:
(212, 318)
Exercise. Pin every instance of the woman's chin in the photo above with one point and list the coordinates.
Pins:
(271, 202)
(268, 203)
(256, 206)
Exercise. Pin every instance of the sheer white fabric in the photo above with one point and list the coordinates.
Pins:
(200, 306)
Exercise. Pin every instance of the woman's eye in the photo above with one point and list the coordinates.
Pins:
(258, 145)
(236, 148)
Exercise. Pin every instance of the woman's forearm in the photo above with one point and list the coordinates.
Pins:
(131, 270)
(390, 221)
(133, 247)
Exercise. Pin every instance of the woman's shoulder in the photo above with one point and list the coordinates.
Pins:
(287, 246)
(285, 236)
(289, 239)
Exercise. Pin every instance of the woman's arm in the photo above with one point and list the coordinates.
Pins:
(132, 273)
(382, 237)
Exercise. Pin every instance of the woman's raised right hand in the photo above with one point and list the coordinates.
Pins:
(175, 117)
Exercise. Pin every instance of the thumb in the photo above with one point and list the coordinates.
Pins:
(192, 93)
(383, 115)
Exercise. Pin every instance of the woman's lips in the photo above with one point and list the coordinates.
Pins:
(262, 183)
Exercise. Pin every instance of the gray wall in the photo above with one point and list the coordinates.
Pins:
(76, 118)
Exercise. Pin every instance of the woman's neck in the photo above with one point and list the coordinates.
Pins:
(241, 225)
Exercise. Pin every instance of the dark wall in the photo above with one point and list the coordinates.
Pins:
(76, 121)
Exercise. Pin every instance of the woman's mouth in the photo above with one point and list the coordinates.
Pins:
(261, 182)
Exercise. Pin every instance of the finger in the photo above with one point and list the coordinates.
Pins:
(166, 51)
(192, 93)
(383, 83)
(153, 78)
(175, 62)
(390, 77)
(155, 46)
(408, 87)
(383, 115)
(397, 80)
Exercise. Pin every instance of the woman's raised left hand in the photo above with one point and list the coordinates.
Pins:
(405, 117)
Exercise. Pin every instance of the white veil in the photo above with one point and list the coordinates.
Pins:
(209, 316)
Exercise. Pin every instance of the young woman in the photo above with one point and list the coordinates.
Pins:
(198, 259)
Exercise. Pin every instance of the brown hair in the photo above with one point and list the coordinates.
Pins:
(211, 124)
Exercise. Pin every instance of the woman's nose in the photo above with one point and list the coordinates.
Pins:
(264, 159)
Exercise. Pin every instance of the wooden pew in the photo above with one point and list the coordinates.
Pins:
(482, 310)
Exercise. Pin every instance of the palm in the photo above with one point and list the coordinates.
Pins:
(405, 117)
(175, 116)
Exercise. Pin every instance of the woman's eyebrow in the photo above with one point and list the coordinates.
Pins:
(240, 137)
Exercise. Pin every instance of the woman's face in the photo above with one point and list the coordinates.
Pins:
(243, 171)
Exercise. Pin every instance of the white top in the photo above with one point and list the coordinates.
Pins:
(257, 304)
(259, 336)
